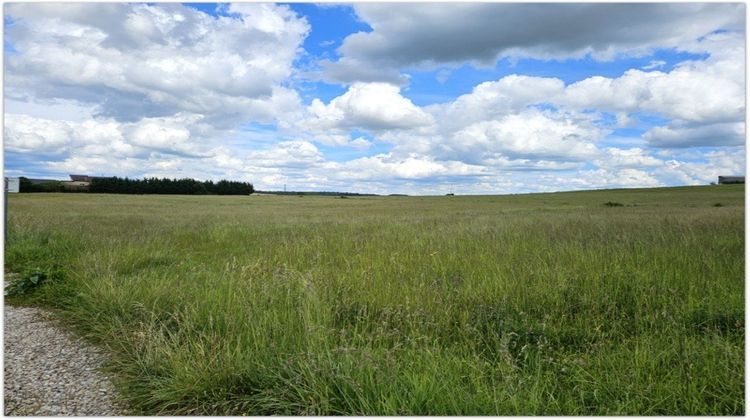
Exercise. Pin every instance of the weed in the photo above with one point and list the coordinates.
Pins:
(26, 283)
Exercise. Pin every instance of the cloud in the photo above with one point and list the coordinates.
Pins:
(55, 109)
(511, 123)
(619, 178)
(654, 64)
(163, 56)
(708, 167)
(369, 106)
(528, 135)
(107, 138)
(166, 135)
(488, 100)
(706, 92)
(350, 70)
(360, 143)
(627, 158)
(27, 134)
(549, 31)
(301, 165)
(390, 167)
(715, 135)
(685, 93)
(286, 154)
(23, 133)
(522, 123)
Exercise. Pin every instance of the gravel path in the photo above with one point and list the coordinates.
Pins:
(49, 372)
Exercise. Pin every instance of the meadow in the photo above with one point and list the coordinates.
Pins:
(612, 302)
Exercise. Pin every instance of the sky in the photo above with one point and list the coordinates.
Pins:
(384, 98)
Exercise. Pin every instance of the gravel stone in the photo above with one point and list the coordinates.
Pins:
(49, 372)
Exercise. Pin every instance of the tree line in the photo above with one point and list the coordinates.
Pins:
(25, 185)
(117, 185)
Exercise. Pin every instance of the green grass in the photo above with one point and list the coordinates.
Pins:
(540, 304)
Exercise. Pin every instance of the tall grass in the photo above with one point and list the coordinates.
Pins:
(508, 305)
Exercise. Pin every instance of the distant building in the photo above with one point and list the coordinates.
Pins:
(77, 183)
(731, 179)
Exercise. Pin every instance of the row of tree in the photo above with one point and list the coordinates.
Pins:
(117, 185)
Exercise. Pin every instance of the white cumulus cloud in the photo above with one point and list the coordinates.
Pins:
(139, 60)
(373, 106)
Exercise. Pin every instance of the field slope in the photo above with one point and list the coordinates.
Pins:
(506, 305)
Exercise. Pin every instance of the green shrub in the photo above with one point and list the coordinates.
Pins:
(25, 283)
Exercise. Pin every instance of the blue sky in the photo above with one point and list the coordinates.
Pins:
(383, 98)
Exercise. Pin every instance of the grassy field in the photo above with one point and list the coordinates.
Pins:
(507, 305)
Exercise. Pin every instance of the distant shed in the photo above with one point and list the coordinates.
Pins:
(77, 183)
(731, 179)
